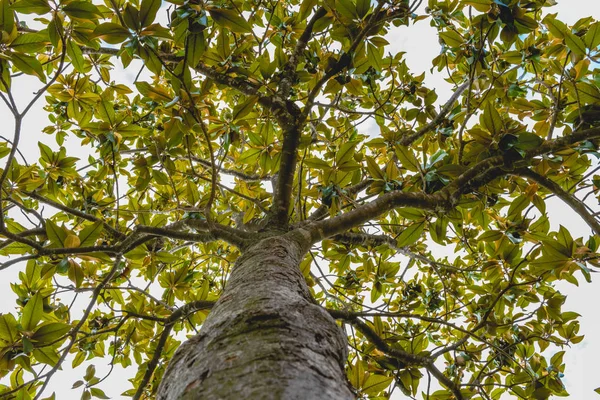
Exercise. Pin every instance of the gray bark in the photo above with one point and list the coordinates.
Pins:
(265, 338)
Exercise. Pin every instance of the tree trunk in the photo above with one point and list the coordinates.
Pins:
(265, 338)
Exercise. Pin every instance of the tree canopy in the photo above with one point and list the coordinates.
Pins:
(269, 116)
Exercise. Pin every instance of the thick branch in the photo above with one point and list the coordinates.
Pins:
(323, 210)
(329, 227)
(477, 175)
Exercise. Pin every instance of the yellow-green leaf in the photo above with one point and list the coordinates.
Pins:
(375, 384)
(575, 44)
(148, 10)
(194, 48)
(49, 332)
(82, 10)
(28, 65)
(230, 19)
(90, 233)
(407, 158)
(479, 5)
(55, 233)
(491, 119)
(76, 56)
(8, 328)
(452, 39)
(155, 92)
(32, 312)
(411, 234)
(111, 33)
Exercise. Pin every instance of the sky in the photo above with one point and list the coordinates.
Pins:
(420, 43)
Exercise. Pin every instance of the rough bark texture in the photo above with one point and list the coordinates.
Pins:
(264, 339)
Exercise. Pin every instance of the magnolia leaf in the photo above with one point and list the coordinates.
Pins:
(32, 312)
(49, 332)
(411, 234)
(230, 19)
(148, 10)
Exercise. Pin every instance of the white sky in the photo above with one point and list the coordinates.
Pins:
(420, 42)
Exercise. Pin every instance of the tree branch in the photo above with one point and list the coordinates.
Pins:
(399, 354)
(409, 139)
(576, 205)
(341, 223)
(478, 174)
(289, 72)
(77, 213)
(181, 312)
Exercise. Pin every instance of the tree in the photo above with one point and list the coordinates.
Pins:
(237, 193)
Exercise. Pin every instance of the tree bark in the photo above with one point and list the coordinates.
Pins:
(265, 338)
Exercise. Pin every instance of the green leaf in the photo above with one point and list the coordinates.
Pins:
(345, 153)
(49, 332)
(376, 383)
(30, 42)
(31, 7)
(76, 56)
(90, 233)
(56, 234)
(155, 92)
(230, 19)
(362, 7)
(148, 11)
(375, 56)
(491, 119)
(414, 214)
(556, 27)
(479, 5)
(528, 141)
(490, 236)
(47, 155)
(407, 158)
(452, 39)
(411, 234)
(46, 355)
(32, 312)
(98, 393)
(28, 65)
(151, 60)
(317, 163)
(346, 8)
(592, 37)
(78, 359)
(111, 33)
(517, 206)
(305, 9)
(82, 10)
(374, 169)
(7, 17)
(90, 372)
(194, 48)
(575, 44)
(8, 328)
(244, 108)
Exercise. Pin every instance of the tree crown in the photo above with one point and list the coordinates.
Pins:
(255, 118)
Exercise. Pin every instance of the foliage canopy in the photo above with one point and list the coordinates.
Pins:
(264, 116)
